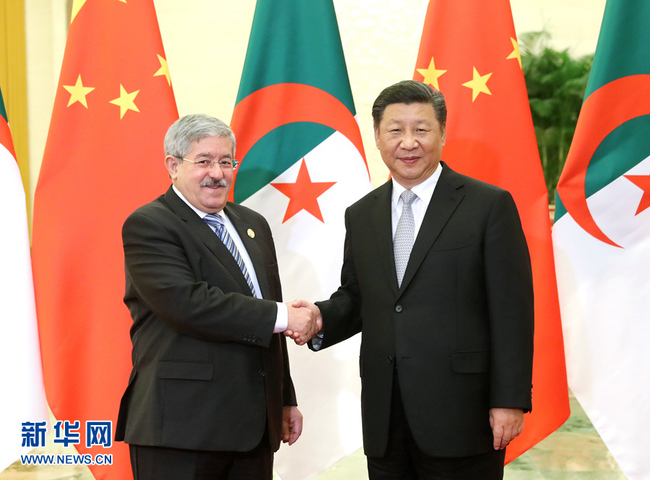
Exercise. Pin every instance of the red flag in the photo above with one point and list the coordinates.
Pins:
(103, 158)
(469, 51)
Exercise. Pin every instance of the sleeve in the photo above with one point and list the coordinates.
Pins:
(166, 276)
(288, 390)
(342, 312)
(511, 306)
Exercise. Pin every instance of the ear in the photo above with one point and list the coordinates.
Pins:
(171, 163)
(376, 128)
(444, 136)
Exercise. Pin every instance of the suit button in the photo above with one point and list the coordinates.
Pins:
(261, 373)
(390, 359)
(399, 308)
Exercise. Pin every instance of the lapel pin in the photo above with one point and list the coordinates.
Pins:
(251, 233)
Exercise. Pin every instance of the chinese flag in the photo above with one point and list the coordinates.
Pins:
(103, 158)
(469, 51)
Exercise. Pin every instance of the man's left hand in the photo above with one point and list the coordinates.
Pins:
(291, 424)
(506, 424)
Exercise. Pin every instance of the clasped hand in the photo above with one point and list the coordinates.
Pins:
(305, 321)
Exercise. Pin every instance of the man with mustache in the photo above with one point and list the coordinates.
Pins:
(210, 395)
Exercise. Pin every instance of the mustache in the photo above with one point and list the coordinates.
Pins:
(211, 182)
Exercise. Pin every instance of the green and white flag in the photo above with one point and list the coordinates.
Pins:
(601, 240)
(302, 165)
(24, 409)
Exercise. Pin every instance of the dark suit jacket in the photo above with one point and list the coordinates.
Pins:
(459, 331)
(208, 372)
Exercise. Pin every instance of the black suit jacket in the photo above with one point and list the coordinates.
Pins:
(459, 331)
(208, 372)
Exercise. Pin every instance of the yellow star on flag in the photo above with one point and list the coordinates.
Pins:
(78, 92)
(478, 84)
(515, 53)
(431, 75)
(126, 101)
(163, 70)
(76, 6)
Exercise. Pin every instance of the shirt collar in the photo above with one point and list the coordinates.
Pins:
(200, 213)
(424, 190)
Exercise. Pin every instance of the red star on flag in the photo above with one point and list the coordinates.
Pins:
(303, 194)
(643, 182)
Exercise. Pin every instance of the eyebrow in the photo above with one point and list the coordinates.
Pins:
(210, 156)
(401, 122)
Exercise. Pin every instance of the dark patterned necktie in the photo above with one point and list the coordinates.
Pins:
(217, 222)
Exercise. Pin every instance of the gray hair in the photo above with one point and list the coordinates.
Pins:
(192, 128)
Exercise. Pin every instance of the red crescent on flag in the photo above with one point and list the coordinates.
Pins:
(602, 112)
(5, 136)
(276, 105)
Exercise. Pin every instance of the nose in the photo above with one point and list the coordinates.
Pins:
(409, 141)
(215, 171)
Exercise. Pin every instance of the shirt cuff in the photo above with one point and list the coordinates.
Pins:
(282, 318)
(317, 341)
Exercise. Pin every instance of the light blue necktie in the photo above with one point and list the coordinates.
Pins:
(217, 222)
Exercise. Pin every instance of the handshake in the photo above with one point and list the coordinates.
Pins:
(305, 321)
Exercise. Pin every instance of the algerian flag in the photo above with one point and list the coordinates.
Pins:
(602, 240)
(302, 164)
(23, 401)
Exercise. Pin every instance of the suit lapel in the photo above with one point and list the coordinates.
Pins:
(446, 198)
(250, 239)
(207, 236)
(382, 238)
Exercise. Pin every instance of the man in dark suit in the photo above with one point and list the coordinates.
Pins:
(210, 395)
(436, 275)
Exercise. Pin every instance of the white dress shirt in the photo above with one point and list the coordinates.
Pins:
(423, 192)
